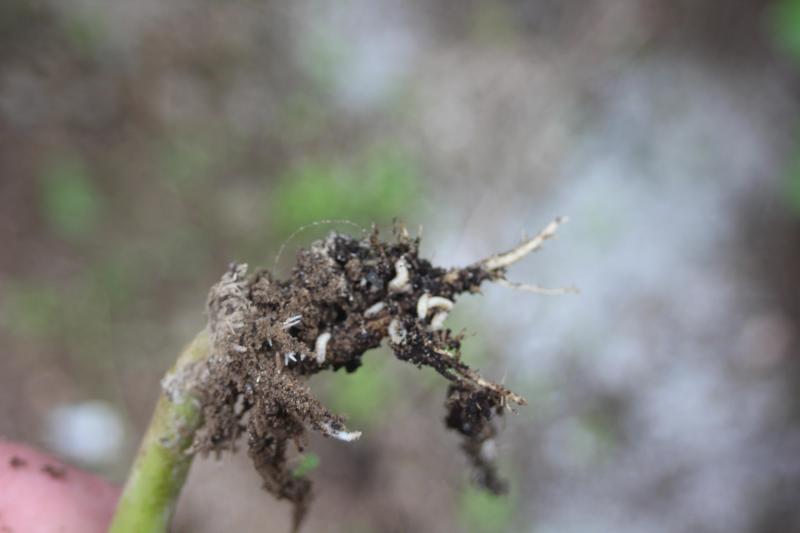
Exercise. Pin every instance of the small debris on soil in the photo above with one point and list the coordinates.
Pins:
(344, 297)
(55, 472)
(17, 462)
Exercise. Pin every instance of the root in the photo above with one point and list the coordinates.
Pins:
(525, 248)
(343, 298)
(536, 289)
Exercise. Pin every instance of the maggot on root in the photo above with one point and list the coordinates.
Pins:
(343, 298)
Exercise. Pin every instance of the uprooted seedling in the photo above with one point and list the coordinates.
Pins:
(344, 297)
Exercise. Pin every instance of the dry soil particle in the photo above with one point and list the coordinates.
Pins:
(343, 298)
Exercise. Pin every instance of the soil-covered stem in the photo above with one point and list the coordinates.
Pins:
(162, 464)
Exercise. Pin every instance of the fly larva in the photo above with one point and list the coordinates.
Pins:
(239, 348)
(321, 346)
(374, 309)
(427, 302)
(440, 302)
(292, 321)
(397, 334)
(400, 282)
(437, 322)
(422, 306)
(347, 436)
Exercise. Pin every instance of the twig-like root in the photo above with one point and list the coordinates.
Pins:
(536, 289)
(497, 264)
(526, 247)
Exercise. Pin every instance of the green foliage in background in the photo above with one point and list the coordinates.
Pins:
(70, 202)
(364, 396)
(793, 184)
(786, 25)
(30, 310)
(482, 512)
(786, 30)
(184, 161)
(308, 463)
(494, 23)
(84, 32)
(377, 188)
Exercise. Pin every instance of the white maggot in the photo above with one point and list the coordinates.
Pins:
(437, 322)
(399, 283)
(396, 333)
(422, 306)
(374, 309)
(321, 346)
(427, 302)
(346, 436)
(439, 302)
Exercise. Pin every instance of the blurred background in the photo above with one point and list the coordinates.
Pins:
(144, 145)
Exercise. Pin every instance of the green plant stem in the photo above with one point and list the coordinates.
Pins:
(162, 464)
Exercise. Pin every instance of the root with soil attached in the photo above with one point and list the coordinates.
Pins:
(343, 298)
(246, 373)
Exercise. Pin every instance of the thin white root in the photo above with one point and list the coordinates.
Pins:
(549, 291)
(321, 346)
(374, 309)
(292, 321)
(527, 247)
(289, 356)
(400, 282)
(437, 322)
(346, 436)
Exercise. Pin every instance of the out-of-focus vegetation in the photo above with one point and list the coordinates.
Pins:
(480, 512)
(786, 28)
(366, 192)
(785, 20)
(144, 145)
(70, 201)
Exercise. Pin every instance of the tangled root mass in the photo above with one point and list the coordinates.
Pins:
(344, 297)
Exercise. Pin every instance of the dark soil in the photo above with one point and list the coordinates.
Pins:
(343, 298)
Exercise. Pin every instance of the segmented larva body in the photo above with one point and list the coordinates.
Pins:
(374, 309)
(397, 334)
(321, 346)
(400, 283)
(427, 302)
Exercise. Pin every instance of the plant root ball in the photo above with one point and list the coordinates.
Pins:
(344, 297)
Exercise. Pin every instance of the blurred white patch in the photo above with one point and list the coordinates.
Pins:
(89, 432)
